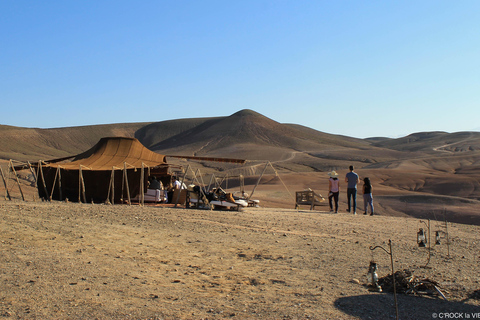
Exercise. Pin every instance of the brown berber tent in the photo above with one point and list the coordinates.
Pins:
(114, 169)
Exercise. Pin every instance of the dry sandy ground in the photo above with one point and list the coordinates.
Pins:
(83, 261)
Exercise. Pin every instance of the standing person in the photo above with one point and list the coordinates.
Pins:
(178, 185)
(367, 195)
(171, 188)
(333, 190)
(352, 179)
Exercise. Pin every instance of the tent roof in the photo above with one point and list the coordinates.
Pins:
(114, 152)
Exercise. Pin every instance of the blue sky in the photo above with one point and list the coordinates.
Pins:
(357, 68)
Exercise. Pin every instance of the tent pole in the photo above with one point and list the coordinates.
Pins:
(210, 183)
(221, 181)
(60, 183)
(277, 175)
(142, 189)
(195, 176)
(81, 186)
(83, 189)
(16, 178)
(40, 169)
(126, 182)
(113, 185)
(204, 196)
(34, 177)
(7, 194)
(33, 172)
(107, 201)
(201, 177)
(123, 185)
(53, 187)
(260, 178)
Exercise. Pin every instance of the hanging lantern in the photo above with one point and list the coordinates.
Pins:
(421, 240)
(437, 237)
(372, 277)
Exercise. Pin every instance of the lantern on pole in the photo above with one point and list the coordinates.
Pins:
(372, 277)
(373, 267)
(421, 239)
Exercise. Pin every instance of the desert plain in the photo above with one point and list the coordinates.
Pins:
(92, 261)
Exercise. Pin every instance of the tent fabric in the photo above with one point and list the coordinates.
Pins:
(95, 168)
(113, 152)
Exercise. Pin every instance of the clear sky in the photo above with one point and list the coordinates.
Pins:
(357, 68)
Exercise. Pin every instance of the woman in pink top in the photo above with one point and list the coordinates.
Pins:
(333, 190)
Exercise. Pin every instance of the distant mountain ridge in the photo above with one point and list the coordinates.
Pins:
(34, 144)
(436, 140)
(246, 134)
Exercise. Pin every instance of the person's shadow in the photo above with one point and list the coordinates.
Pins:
(382, 306)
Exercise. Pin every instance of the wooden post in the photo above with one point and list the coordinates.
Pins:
(16, 178)
(33, 172)
(278, 176)
(394, 282)
(210, 183)
(112, 181)
(123, 186)
(60, 184)
(53, 187)
(81, 185)
(40, 169)
(34, 177)
(107, 201)
(142, 188)
(256, 185)
(203, 195)
(7, 194)
(393, 273)
(448, 241)
(126, 182)
(113, 185)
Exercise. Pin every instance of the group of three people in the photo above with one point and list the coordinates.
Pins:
(352, 179)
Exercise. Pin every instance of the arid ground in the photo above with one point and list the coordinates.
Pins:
(82, 261)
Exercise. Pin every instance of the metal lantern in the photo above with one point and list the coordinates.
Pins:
(437, 237)
(372, 277)
(421, 240)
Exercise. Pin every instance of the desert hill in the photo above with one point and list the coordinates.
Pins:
(433, 141)
(249, 128)
(34, 144)
(427, 164)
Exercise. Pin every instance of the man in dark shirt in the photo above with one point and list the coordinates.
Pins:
(352, 179)
(154, 184)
